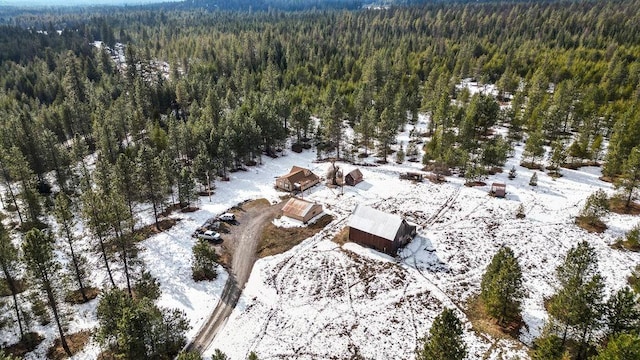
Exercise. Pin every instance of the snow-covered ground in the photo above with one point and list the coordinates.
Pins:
(321, 300)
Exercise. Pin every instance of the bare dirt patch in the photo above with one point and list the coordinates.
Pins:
(342, 237)
(531, 165)
(75, 341)
(20, 285)
(483, 323)
(619, 206)
(151, 229)
(275, 240)
(246, 206)
(626, 245)
(28, 343)
(474, 183)
(592, 226)
(75, 296)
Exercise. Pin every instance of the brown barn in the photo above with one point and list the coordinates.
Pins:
(353, 178)
(301, 210)
(298, 179)
(498, 190)
(379, 230)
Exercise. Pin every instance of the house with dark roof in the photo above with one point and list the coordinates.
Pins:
(301, 210)
(382, 231)
(298, 179)
(353, 177)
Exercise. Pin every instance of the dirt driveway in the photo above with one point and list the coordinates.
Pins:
(241, 242)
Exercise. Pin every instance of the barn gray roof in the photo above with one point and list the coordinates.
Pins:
(375, 222)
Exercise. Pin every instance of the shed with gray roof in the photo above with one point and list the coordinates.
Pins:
(379, 230)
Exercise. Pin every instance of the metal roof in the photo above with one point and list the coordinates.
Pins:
(375, 222)
(297, 207)
(356, 174)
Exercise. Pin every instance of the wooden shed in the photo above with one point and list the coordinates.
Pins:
(353, 178)
(298, 179)
(379, 230)
(498, 190)
(301, 210)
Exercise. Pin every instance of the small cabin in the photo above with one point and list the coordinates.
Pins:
(353, 178)
(298, 179)
(301, 210)
(498, 190)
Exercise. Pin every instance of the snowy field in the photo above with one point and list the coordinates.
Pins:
(320, 300)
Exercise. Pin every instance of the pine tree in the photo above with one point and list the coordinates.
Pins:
(300, 120)
(549, 347)
(386, 131)
(8, 182)
(558, 156)
(501, 287)
(219, 355)
(625, 346)
(534, 179)
(9, 262)
(186, 187)
(4, 356)
(94, 213)
(534, 147)
(400, 155)
(520, 213)
(630, 178)
(366, 128)
(66, 221)
(20, 172)
(152, 179)
(138, 329)
(445, 339)
(189, 356)
(578, 302)
(117, 218)
(124, 180)
(622, 312)
(42, 265)
(252, 356)
(332, 120)
(595, 207)
(147, 286)
(204, 261)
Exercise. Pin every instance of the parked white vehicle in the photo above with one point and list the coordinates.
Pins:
(209, 235)
(227, 217)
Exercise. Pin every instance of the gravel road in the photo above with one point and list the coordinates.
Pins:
(241, 242)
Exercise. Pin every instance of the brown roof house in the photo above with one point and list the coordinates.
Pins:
(353, 178)
(379, 230)
(301, 210)
(298, 179)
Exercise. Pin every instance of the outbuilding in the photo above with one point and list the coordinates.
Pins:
(382, 231)
(353, 177)
(298, 179)
(301, 210)
(498, 190)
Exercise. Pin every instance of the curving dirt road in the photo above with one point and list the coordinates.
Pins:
(241, 242)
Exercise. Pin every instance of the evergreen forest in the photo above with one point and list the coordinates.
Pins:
(105, 109)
